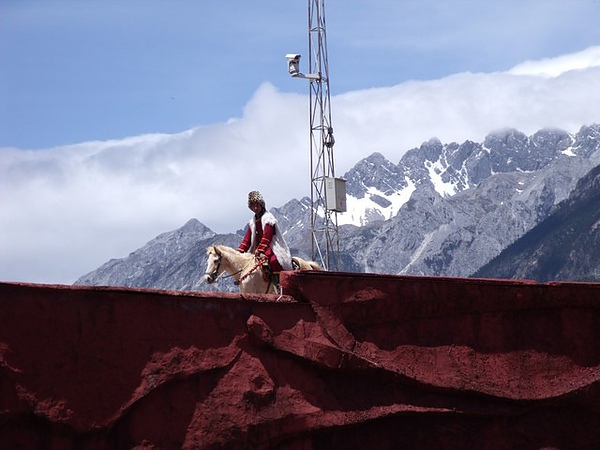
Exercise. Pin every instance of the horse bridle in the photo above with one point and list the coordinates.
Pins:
(215, 273)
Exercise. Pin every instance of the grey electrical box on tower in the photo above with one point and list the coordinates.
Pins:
(335, 193)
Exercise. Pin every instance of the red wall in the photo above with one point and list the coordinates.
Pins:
(340, 361)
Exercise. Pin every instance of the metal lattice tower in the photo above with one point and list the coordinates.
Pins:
(324, 229)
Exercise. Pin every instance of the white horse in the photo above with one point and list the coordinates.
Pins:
(245, 269)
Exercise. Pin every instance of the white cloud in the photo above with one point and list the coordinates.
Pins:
(553, 67)
(69, 209)
(463, 106)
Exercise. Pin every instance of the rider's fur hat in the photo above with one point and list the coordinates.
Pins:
(255, 197)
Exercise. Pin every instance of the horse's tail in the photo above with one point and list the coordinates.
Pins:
(302, 264)
(314, 265)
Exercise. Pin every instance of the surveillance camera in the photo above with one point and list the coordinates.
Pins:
(293, 63)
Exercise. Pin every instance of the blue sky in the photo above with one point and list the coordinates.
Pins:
(74, 71)
(120, 120)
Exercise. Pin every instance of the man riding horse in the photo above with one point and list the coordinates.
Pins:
(264, 238)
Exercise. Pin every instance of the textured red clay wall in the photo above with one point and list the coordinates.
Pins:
(342, 361)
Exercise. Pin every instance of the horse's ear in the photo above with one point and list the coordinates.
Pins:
(217, 251)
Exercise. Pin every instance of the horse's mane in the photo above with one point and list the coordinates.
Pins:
(219, 248)
(216, 248)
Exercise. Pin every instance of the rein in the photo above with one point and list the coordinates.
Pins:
(232, 274)
(215, 272)
(258, 264)
(250, 272)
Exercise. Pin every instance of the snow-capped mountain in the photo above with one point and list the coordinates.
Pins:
(471, 200)
(377, 188)
(444, 209)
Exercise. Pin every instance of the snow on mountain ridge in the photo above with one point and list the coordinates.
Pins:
(445, 188)
(377, 188)
(361, 211)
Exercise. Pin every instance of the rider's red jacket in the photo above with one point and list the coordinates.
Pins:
(263, 237)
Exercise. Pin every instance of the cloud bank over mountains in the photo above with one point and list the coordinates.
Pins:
(67, 210)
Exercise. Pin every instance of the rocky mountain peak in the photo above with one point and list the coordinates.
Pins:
(511, 150)
(374, 174)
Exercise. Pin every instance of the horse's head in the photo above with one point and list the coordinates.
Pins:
(213, 264)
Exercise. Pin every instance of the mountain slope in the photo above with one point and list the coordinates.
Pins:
(565, 246)
(173, 260)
